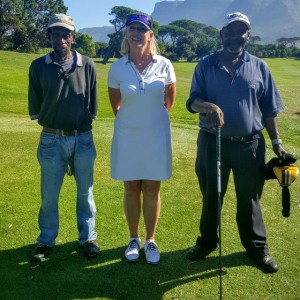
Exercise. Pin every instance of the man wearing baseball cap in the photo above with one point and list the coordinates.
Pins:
(62, 97)
(235, 91)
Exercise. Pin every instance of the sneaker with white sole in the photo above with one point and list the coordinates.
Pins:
(132, 251)
(151, 252)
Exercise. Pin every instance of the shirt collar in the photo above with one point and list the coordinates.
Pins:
(48, 59)
(127, 60)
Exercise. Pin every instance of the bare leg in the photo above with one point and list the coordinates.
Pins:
(132, 205)
(151, 206)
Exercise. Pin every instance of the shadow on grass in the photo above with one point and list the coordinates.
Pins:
(67, 274)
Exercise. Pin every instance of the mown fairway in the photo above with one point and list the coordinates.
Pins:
(68, 275)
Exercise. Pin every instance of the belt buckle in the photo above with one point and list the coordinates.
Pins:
(236, 138)
(68, 132)
(62, 133)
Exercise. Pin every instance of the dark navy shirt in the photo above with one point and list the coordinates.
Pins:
(245, 99)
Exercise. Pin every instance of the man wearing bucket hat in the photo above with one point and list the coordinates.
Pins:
(62, 96)
(235, 91)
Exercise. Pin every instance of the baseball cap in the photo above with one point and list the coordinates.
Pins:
(140, 18)
(62, 20)
(236, 16)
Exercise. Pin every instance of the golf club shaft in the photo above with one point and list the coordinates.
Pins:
(218, 155)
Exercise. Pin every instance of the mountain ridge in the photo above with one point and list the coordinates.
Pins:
(270, 19)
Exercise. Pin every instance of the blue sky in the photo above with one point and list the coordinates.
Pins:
(95, 13)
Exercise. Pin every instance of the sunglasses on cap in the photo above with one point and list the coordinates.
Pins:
(139, 18)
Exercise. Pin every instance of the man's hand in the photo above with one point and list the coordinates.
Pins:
(214, 115)
(279, 151)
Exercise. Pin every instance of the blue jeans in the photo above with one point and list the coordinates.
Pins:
(54, 154)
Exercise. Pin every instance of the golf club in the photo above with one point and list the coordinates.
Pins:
(218, 154)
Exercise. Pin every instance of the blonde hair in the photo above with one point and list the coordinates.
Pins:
(152, 46)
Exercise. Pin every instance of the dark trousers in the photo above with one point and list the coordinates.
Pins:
(246, 161)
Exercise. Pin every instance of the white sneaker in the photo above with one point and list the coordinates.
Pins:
(132, 251)
(151, 252)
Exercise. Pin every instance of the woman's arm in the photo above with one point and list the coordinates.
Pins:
(170, 95)
(115, 99)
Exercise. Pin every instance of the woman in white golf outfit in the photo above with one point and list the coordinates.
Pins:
(142, 91)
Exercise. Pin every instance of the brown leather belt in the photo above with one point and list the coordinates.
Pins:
(65, 132)
(244, 139)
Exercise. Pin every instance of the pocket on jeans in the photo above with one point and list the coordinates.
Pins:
(47, 140)
(47, 148)
(85, 145)
(85, 140)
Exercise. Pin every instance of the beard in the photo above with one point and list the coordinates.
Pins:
(61, 51)
(234, 46)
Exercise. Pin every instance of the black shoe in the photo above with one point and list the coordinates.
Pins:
(198, 252)
(91, 249)
(40, 252)
(267, 263)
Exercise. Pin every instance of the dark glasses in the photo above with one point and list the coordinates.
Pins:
(139, 18)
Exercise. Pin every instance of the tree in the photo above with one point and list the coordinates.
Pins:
(23, 23)
(294, 40)
(101, 48)
(172, 32)
(283, 41)
(286, 41)
(212, 32)
(185, 48)
(254, 39)
(206, 45)
(183, 34)
(189, 39)
(120, 14)
(36, 15)
(10, 12)
(114, 45)
(162, 34)
(194, 28)
(84, 44)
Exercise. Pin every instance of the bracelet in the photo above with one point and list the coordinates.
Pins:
(276, 142)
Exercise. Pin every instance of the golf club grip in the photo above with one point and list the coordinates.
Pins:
(286, 203)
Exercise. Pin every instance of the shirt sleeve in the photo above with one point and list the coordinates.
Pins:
(171, 77)
(112, 80)
(270, 103)
(198, 89)
(35, 93)
(93, 108)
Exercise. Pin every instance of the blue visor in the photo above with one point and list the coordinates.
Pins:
(145, 20)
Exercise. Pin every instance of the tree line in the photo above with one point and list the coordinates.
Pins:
(23, 24)
(23, 27)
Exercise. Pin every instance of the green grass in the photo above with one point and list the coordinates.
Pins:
(68, 275)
